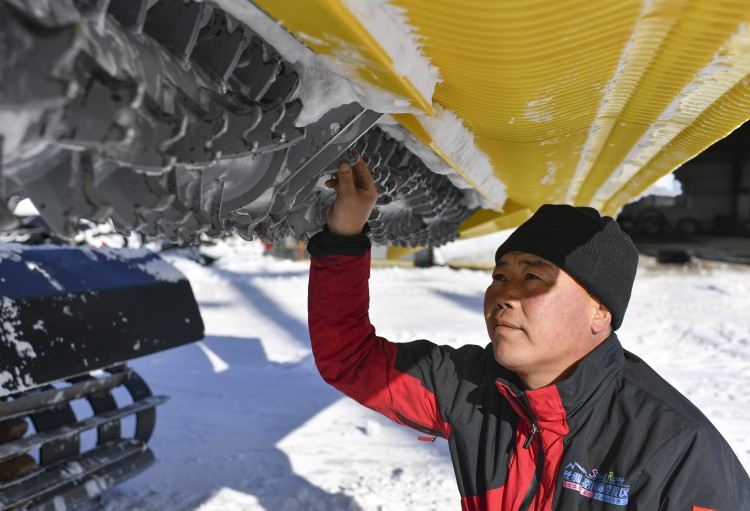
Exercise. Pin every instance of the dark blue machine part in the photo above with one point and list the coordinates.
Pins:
(65, 311)
(36, 271)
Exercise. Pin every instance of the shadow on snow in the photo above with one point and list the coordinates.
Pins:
(244, 411)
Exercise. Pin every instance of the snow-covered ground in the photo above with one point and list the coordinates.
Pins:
(251, 426)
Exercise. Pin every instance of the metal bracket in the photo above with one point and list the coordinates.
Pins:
(328, 139)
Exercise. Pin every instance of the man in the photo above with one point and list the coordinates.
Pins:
(553, 413)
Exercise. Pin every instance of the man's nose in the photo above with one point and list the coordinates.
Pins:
(508, 296)
(500, 306)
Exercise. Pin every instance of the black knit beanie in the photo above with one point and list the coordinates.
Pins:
(589, 247)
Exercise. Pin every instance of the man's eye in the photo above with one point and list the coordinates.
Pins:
(498, 276)
(530, 276)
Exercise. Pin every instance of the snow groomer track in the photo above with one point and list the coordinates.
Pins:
(173, 118)
(70, 319)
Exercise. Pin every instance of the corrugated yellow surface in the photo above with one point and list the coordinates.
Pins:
(588, 102)
(585, 102)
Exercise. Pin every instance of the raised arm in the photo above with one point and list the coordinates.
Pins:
(347, 351)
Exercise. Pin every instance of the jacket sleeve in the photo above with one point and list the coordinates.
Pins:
(695, 470)
(352, 358)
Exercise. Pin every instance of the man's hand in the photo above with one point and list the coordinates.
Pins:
(355, 199)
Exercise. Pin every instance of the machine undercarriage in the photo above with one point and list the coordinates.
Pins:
(172, 118)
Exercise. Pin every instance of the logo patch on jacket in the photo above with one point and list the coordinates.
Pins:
(604, 486)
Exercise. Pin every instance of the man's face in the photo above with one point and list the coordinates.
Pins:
(540, 320)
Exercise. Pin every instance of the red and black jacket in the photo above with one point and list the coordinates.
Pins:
(612, 436)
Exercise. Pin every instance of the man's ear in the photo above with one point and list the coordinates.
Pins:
(602, 320)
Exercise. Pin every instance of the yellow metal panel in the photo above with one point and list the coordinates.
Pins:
(394, 252)
(690, 34)
(486, 222)
(329, 28)
(573, 101)
(730, 111)
(586, 102)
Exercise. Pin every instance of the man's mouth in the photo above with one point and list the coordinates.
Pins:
(504, 323)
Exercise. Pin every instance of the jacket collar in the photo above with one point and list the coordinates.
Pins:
(594, 372)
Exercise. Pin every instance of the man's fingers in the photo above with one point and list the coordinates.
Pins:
(353, 179)
(355, 198)
(361, 173)
(346, 180)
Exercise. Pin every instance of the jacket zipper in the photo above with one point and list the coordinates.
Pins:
(533, 432)
(534, 485)
(537, 476)
(427, 431)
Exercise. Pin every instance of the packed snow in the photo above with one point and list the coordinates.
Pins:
(250, 425)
